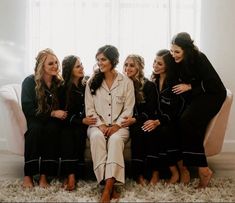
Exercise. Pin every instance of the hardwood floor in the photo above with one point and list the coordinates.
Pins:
(11, 165)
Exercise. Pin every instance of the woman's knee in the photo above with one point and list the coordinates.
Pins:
(116, 140)
(186, 121)
(53, 127)
(34, 130)
(96, 137)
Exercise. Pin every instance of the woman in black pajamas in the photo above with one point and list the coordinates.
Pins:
(73, 135)
(144, 110)
(205, 94)
(170, 107)
(40, 105)
(153, 134)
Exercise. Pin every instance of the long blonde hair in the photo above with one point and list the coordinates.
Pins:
(43, 106)
(139, 78)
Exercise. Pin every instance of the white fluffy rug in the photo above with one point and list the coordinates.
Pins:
(220, 190)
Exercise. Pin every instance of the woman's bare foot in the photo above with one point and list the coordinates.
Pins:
(174, 175)
(155, 178)
(28, 182)
(43, 181)
(184, 173)
(141, 180)
(115, 194)
(106, 196)
(65, 183)
(184, 176)
(205, 175)
(108, 189)
(70, 186)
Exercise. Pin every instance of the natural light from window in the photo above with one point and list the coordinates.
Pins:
(80, 27)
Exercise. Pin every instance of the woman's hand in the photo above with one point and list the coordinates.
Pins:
(128, 120)
(60, 114)
(150, 125)
(89, 120)
(112, 129)
(103, 129)
(181, 88)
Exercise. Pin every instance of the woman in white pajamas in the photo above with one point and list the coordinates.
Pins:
(109, 97)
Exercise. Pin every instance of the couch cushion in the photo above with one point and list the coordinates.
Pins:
(13, 120)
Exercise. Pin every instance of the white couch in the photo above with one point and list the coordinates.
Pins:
(13, 124)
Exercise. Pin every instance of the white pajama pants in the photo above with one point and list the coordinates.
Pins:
(107, 155)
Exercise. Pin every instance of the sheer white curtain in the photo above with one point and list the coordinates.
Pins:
(80, 27)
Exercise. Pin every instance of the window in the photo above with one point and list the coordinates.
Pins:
(80, 27)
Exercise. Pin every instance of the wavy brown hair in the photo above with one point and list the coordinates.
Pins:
(68, 64)
(171, 75)
(40, 88)
(111, 52)
(191, 51)
(139, 78)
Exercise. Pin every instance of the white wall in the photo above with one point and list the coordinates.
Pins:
(13, 43)
(12, 40)
(218, 43)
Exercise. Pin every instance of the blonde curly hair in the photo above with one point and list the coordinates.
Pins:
(43, 106)
(139, 78)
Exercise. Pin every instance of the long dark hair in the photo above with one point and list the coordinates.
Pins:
(191, 52)
(112, 54)
(170, 66)
(68, 64)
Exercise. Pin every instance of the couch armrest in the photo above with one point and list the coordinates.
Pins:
(216, 129)
(12, 122)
